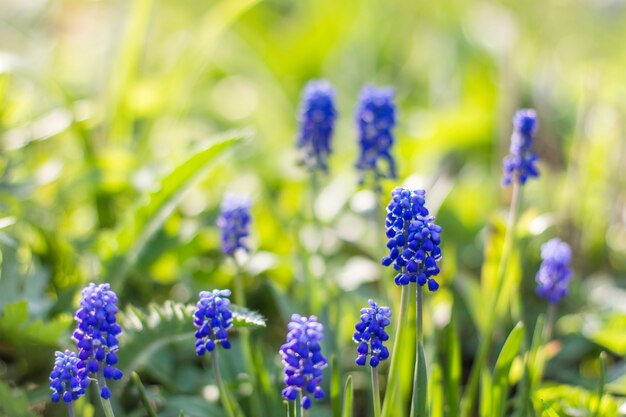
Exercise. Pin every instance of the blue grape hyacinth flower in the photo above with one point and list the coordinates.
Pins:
(554, 273)
(69, 377)
(303, 360)
(316, 117)
(413, 239)
(234, 223)
(370, 334)
(375, 120)
(213, 319)
(97, 332)
(521, 163)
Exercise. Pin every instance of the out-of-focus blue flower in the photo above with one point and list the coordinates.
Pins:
(303, 360)
(234, 223)
(370, 334)
(316, 116)
(375, 119)
(68, 378)
(213, 319)
(554, 273)
(521, 163)
(97, 332)
(413, 239)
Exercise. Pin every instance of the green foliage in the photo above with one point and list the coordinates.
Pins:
(13, 402)
(142, 225)
(17, 327)
(147, 331)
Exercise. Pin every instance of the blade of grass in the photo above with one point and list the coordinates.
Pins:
(335, 388)
(347, 398)
(142, 394)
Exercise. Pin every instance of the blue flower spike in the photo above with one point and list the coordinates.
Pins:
(234, 223)
(213, 319)
(97, 332)
(554, 273)
(414, 239)
(69, 378)
(370, 334)
(303, 360)
(375, 120)
(521, 163)
(316, 117)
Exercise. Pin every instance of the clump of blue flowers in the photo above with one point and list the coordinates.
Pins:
(413, 239)
(375, 119)
(213, 319)
(554, 273)
(370, 334)
(521, 163)
(68, 379)
(234, 223)
(316, 116)
(303, 360)
(97, 332)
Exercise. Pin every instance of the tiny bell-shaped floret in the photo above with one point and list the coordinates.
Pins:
(303, 360)
(234, 223)
(69, 378)
(521, 163)
(554, 273)
(316, 117)
(213, 319)
(370, 334)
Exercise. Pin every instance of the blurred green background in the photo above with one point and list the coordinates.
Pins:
(100, 101)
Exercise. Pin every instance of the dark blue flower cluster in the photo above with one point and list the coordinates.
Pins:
(303, 360)
(554, 273)
(521, 163)
(97, 332)
(375, 118)
(370, 334)
(68, 378)
(413, 239)
(317, 120)
(213, 319)
(234, 223)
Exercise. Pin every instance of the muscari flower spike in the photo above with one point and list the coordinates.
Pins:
(370, 334)
(97, 332)
(303, 360)
(213, 319)
(375, 119)
(316, 116)
(413, 239)
(234, 223)
(69, 378)
(554, 273)
(521, 163)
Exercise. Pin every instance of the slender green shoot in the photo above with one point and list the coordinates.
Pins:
(142, 394)
(70, 410)
(375, 391)
(227, 401)
(106, 404)
(469, 397)
(420, 379)
(601, 383)
(394, 367)
(348, 396)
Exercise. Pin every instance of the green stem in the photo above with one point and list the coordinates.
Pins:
(483, 350)
(224, 395)
(601, 383)
(551, 317)
(246, 346)
(106, 404)
(394, 367)
(420, 380)
(379, 222)
(70, 410)
(375, 391)
(142, 394)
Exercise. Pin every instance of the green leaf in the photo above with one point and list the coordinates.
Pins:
(16, 327)
(13, 402)
(454, 368)
(243, 317)
(347, 398)
(335, 389)
(503, 366)
(159, 325)
(147, 219)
